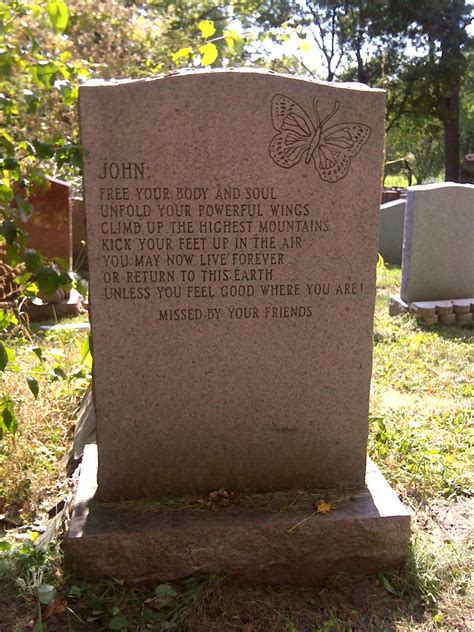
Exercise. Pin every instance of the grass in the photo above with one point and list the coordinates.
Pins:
(420, 435)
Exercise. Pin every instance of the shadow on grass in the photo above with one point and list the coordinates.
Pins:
(452, 332)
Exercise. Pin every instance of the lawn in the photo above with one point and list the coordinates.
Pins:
(420, 436)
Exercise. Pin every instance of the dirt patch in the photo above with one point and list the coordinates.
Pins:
(428, 404)
(456, 519)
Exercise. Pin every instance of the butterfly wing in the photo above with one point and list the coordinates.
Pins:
(295, 132)
(337, 146)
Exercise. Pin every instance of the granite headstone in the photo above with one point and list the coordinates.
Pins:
(392, 220)
(232, 232)
(438, 243)
(232, 261)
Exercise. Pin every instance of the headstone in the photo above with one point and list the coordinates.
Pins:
(79, 238)
(230, 247)
(388, 195)
(467, 169)
(49, 225)
(438, 252)
(392, 219)
(232, 253)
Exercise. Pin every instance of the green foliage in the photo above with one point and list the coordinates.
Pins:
(8, 420)
(58, 14)
(418, 52)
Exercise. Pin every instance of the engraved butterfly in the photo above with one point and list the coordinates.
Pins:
(331, 148)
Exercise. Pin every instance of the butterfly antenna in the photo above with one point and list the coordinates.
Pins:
(315, 107)
(333, 111)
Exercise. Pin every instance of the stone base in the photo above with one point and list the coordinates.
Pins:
(442, 312)
(366, 532)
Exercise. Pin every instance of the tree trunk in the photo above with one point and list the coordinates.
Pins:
(451, 137)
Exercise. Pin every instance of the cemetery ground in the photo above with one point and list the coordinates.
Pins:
(420, 425)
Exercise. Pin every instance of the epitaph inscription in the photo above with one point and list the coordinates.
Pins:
(226, 242)
(232, 280)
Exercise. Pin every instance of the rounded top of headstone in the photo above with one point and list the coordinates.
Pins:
(350, 85)
(439, 185)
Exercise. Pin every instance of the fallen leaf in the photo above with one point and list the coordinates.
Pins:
(323, 507)
(220, 498)
(58, 606)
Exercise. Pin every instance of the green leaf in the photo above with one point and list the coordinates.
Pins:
(33, 260)
(7, 141)
(58, 14)
(82, 286)
(13, 255)
(23, 279)
(117, 623)
(32, 101)
(85, 348)
(209, 53)
(6, 319)
(48, 280)
(43, 150)
(9, 164)
(38, 353)
(388, 585)
(69, 154)
(68, 91)
(180, 54)
(75, 591)
(24, 207)
(61, 263)
(58, 373)
(44, 73)
(33, 385)
(207, 28)
(6, 60)
(165, 591)
(6, 192)
(40, 626)
(46, 594)
(65, 280)
(8, 418)
(5, 546)
(149, 615)
(9, 230)
(3, 356)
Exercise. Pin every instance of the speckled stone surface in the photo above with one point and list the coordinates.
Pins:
(232, 225)
(366, 532)
(438, 243)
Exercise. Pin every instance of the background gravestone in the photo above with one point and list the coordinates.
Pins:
(49, 225)
(392, 220)
(438, 243)
(232, 261)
